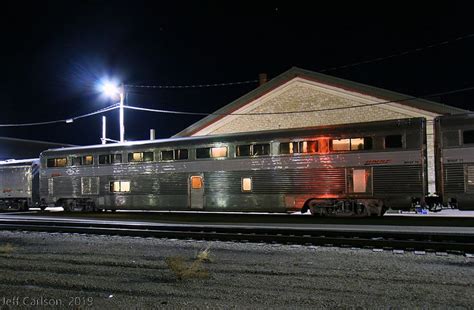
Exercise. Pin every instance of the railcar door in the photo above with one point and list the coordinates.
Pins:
(196, 191)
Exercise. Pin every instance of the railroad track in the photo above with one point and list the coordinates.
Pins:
(434, 240)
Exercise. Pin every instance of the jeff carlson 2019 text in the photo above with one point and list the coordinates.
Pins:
(41, 301)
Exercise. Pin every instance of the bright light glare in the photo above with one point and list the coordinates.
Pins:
(110, 89)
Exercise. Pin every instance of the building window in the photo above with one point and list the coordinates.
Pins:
(196, 182)
(246, 184)
(140, 156)
(468, 137)
(120, 186)
(393, 142)
(56, 162)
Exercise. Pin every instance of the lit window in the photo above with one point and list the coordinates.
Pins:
(246, 184)
(196, 182)
(56, 162)
(308, 147)
(217, 152)
(120, 186)
(359, 180)
(140, 156)
(341, 145)
(288, 147)
(357, 144)
(87, 160)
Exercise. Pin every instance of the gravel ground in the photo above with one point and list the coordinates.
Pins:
(102, 272)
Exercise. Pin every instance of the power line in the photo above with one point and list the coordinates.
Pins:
(68, 120)
(411, 51)
(193, 85)
(300, 111)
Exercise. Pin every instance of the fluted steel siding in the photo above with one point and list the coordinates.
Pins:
(454, 178)
(398, 180)
(289, 181)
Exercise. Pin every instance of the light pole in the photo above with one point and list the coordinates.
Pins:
(122, 114)
(112, 90)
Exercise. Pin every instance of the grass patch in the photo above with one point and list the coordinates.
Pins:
(189, 270)
(7, 248)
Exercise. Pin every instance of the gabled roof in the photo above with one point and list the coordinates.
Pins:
(295, 72)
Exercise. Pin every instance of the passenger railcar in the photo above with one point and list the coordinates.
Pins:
(19, 184)
(355, 169)
(455, 160)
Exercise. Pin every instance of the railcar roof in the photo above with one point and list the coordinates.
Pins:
(18, 161)
(268, 135)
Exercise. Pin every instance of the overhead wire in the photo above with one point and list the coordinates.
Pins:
(300, 111)
(67, 120)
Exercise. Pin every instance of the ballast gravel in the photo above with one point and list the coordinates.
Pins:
(61, 271)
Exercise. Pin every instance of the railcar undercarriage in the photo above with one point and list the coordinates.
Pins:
(344, 207)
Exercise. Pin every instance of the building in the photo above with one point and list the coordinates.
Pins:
(326, 100)
(12, 148)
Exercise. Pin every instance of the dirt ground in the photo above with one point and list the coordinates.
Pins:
(54, 271)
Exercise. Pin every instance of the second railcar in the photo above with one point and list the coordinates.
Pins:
(19, 184)
(455, 160)
(357, 169)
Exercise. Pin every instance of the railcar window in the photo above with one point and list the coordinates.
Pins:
(76, 161)
(261, 149)
(116, 158)
(451, 138)
(56, 162)
(393, 141)
(246, 184)
(243, 150)
(308, 147)
(288, 147)
(181, 154)
(140, 156)
(196, 182)
(120, 186)
(468, 137)
(204, 152)
(104, 159)
(218, 152)
(87, 160)
(253, 150)
(167, 155)
(341, 145)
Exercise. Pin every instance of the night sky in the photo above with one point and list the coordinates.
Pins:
(53, 55)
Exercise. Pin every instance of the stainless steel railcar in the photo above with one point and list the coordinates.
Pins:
(357, 169)
(19, 184)
(455, 160)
